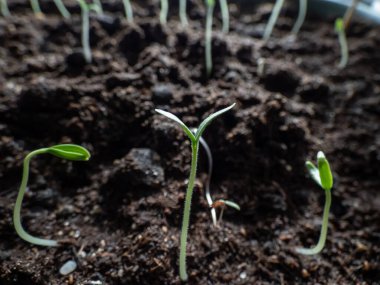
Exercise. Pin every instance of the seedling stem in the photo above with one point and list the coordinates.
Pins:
(273, 19)
(301, 17)
(182, 13)
(339, 28)
(62, 9)
(164, 12)
(225, 16)
(4, 8)
(208, 36)
(128, 10)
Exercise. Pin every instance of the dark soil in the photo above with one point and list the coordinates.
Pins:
(120, 213)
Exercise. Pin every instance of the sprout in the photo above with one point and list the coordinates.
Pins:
(182, 13)
(339, 28)
(86, 8)
(194, 138)
(301, 17)
(64, 151)
(208, 33)
(62, 9)
(36, 8)
(100, 6)
(222, 204)
(4, 8)
(323, 177)
(164, 12)
(273, 19)
(128, 10)
(225, 16)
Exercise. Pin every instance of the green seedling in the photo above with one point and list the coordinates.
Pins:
(222, 204)
(62, 9)
(208, 36)
(4, 8)
(323, 177)
(86, 9)
(301, 17)
(164, 12)
(225, 16)
(339, 28)
(273, 19)
(182, 13)
(36, 8)
(128, 10)
(64, 151)
(100, 7)
(194, 138)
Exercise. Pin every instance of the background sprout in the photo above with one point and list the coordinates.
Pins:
(273, 19)
(182, 13)
(225, 16)
(194, 138)
(323, 177)
(4, 8)
(339, 28)
(36, 8)
(86, 8)
(128, 10)
(301, 17)
(100, 6)
(64, 151)
(164, 12)
(62, 9)
(208, 34)
(222, 204)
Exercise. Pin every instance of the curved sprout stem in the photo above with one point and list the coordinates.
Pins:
(128, 10)
(99, 10)
(4, 8)
(36, 7)
(164, 12)
(208, 38)
(62, 9)
(182, 13)
(344, 55)
(225, 16)
(273, 19)
(301, 17)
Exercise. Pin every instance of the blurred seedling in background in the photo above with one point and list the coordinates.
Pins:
(225, 16)
(100, 6)
(86, 9)
(194, 138)
(36, 8)
(62, 9)
(4, 8)
(64, 151)
(164, 12)
(222, 205)
(302, 9)
(272, 19)
(182, 13)
(340, 29)
(323, 177)
(128, 10)
(208, 36)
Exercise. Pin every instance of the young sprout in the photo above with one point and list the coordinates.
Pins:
(323, 177)
(164, 12)
(62, 9)
(86, 8)
(36, 8)
(339, 28)
(273, 19)
(4, 8)
(65, 151)
(182, 13)
(194, 138)
(100, 6)
(301, 17)
(225, 16)
(222, 204)
(208, 34)
(128, 10)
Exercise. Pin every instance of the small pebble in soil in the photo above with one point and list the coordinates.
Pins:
(68, 267)
(243, 275)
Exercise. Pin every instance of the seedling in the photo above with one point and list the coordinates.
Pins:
(36, 8)
(62, 9)
(208, 36)
(194, 138)
(164, 12)
(100, 6)
(225, 16)
(128, 10)
(65, 151)
(222, 204)
(301, 17)
(4, 8)
(182, 13)
(339, 28)
(273, 19)
(323, 177)
(86, 8)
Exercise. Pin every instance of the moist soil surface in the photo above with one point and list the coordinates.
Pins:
(118, 215)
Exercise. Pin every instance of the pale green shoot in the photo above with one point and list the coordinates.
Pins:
(273, 19)
(339, 28)
(194, 138)
(182, 13)
(4, 8)
(36, 8)
(225, 16)
(208, 36)
(323, 177)
(62, 9)
(99, 10)
(64, 151)
(301, 17)
(128, 10)
(164, 12)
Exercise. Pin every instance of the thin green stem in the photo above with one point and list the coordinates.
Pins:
(99, 4)
(186, 212)
(343, 49)
(301, 17)
(36, 7)
(323, 235)
(62, 9)
(208, 38)
(17, 209)
(86, 34)
(182, 13)
(164, 12)
(128, 10)
(225, 16)
(273, 19)
(4, 8)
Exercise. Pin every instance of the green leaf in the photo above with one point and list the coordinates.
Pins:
(209, 119)
(178, 121)
(324, 171)
(339, 25)
(314, 172)
(231, 204)
(69, 152)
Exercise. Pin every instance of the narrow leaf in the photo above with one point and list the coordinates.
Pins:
(324, 171)
(314, 172)
(178, 121)
(70, 152)
(232, 204)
